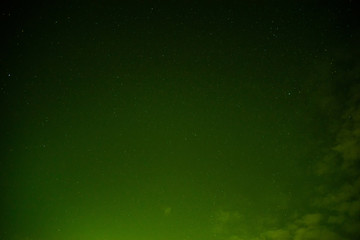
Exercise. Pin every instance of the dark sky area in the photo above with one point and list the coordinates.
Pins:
(174, 120)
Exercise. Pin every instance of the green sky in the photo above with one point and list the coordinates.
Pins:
(154, 121)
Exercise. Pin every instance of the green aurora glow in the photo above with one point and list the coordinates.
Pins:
(222, 121)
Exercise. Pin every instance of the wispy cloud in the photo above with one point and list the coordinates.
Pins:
(167, 211)
(332, 214)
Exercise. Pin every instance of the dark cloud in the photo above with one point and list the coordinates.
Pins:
(333, 212)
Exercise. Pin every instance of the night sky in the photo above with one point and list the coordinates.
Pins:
(160, 120)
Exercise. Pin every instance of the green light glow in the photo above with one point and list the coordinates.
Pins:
(228, 121)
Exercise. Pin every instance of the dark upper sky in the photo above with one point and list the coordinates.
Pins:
(184, 121)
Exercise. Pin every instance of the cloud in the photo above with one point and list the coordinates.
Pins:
(341, 166)
(328, 165)
(235, 237)
(340, 202)
(311, 219)
(335, 212)
(315, 234)
(352, 228)
(338, 219)
(352, 208)
(167, 211)
(308, 227)
(223, 216)
(279, 234)
(224, 220)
